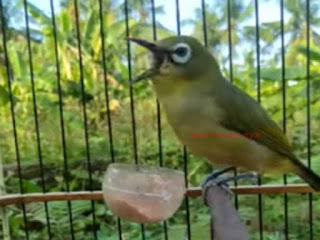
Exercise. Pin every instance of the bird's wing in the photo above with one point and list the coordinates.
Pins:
(244, 115)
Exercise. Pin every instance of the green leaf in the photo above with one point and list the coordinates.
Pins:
(89, 29)
(16, 63)
(4, 96)
(65, 22)
(314, 55)
(291, 73)
(31, 186)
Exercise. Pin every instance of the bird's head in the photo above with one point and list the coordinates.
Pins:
(179, 58)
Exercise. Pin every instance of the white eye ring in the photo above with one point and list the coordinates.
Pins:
(184, 55)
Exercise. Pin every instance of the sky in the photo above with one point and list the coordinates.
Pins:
(187, 11)
(269, 11)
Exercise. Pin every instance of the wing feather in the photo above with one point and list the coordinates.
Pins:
(245, 115)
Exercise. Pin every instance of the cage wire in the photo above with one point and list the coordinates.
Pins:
(84, 111)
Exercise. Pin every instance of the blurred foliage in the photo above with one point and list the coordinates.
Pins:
(115, 84)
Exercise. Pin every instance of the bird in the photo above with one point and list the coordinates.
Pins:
(211, 116)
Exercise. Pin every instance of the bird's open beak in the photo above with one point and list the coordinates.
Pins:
(158, 54)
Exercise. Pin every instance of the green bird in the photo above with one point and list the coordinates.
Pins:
(206, 111)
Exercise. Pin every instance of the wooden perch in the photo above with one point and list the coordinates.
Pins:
(11, 199)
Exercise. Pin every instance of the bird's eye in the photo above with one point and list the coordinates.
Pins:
(181, 53)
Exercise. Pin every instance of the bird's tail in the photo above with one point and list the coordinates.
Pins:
(308, 175)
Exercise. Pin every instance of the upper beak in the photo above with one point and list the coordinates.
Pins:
(158, 54)
(150, 46)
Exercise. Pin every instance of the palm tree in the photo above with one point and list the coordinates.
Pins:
(217, 23)
(294, 27)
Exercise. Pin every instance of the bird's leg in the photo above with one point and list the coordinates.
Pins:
(216, 178)
(218, 197)
(215, 174)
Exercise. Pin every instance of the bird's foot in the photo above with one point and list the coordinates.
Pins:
(216, 179)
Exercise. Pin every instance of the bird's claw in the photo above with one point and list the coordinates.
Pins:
(215, 179)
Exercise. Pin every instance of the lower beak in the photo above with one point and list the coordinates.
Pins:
(158, 54)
